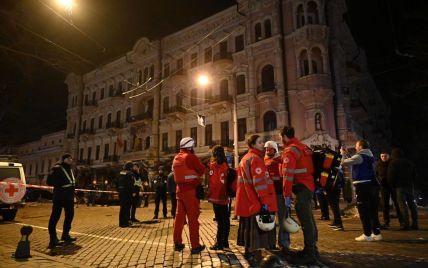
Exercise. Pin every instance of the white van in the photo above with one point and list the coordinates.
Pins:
(12, 189)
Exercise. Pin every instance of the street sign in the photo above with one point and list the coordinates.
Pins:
(12, 193)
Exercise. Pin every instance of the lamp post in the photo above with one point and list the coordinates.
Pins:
(204, 80)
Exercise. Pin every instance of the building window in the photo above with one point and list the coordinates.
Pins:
(108, 124)
(92, 124)
(239, 43)
(208, 54)
(268, 29)
(224, 126)
(179, 69)
(152, 72)
(111, 91)
(224, 88)
(147, 143)
(304, 63)
(258, 31)
(166, 104)
(208, 94)
(119, 87)
(164, 142)
(125, 146)
(312, 13)
(86, 99)
(193, 60)
(269, 121)
(94, 96)
(193, 97)
(140, 77)
(74, 129)
(102, 94)
(317, 61)
(80, 154)
(89, 153)
(84, 126)
(223, 50)
(240, 84)
(128, 114)
(300, 16)
(178, 137)
(118, 115)
(146, 74)
(166, 69)
(106, 150)
(179, 99)
(97, 152)
(242, 128)
(194, 134)
(268, 78)
(30, 170)
(209, 135)
(100, 122)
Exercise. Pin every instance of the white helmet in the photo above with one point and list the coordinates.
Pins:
(187, 142)
(266, 222)
(290, 225)
(271, 144)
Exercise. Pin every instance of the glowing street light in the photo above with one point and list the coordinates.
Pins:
(67, 5)
(203, 80)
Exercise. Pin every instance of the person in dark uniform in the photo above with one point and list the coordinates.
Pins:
(172, 194)
(63, 181)
(146, 186)
(136, 191)
(125, 189)
(159, 186)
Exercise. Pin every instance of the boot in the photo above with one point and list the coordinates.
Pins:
(53, 242)
(68, 239)
(306, 257)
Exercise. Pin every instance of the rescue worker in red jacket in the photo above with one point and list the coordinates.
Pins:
(187, 170)
(218, 196)
(297, 169)
(255, 195)
(273, 162)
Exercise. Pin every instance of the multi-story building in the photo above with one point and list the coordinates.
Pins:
(290, 62)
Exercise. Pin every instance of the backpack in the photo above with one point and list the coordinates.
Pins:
(326, 163)
(230, 181)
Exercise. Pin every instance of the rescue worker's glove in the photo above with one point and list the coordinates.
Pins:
(288, 202)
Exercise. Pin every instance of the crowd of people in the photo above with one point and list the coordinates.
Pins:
(265, 185)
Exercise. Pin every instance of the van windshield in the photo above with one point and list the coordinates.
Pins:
(9, 172)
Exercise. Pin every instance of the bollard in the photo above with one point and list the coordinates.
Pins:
(23, 248)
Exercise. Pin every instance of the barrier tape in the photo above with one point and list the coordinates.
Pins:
(77, 190)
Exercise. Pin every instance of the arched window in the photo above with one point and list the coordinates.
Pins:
(300, 16)
(140, 77)
(147, 143)
(240, 84)
(258, 31)
(268, 28)
(268, 78)
(165, 104)
(224, 88)
(312, 13)
(193, 97)
(208, 94)
(110, 90)
(128, 114)
(303, 62)
(269, 121)
(317, 61)
(179, 98)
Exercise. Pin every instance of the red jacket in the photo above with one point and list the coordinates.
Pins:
(297, 166)
(254, 187)
(217, 191)
(187, 170)
(273, 166)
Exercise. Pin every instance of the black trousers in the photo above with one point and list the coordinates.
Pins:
(367, 204)
(322, 199)
(406, 201)
(386, 193)
(57, 206)
(134, 204)
(173, 197)
(158, 198)
(303, 208)
(125, 200)
(333, 197)
(221, 213)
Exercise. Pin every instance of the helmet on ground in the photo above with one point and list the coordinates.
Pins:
(290, 225)
(271, 144)
(271, 261)
(187, 142)
(266, 222)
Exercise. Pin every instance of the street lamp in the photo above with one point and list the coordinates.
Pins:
(67, 4)
(204, 80)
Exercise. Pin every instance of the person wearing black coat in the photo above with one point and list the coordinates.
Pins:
(125, 189)
(136, 191)
(387, 191)
(172, 194)
(402, 176)
(63, 180)
(159, 183)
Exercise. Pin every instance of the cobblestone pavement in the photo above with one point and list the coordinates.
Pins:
(101, 243)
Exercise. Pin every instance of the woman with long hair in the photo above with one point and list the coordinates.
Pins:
(218, 196)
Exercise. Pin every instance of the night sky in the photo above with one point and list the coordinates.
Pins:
(33, 94)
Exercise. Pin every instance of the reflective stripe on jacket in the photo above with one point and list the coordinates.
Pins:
(187, 170)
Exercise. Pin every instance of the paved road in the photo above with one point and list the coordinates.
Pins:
(101, 243)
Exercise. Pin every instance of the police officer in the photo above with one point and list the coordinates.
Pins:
(297, 169)
(159, 186)
(125, 189)
(136, 191)
(63, 180)
(171, 191)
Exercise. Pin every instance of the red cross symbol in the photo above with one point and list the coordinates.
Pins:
(12, 190)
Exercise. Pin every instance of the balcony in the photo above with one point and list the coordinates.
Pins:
(91, 103)
(114, 125)
(88, 131)
(117, 94)
(171, 150)
(220, 102)
(222, 142)
(84, 162)
(175, 111)
(141, 118)
(111, 158)
(223, 60)
(70, 136)
(268, 87)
